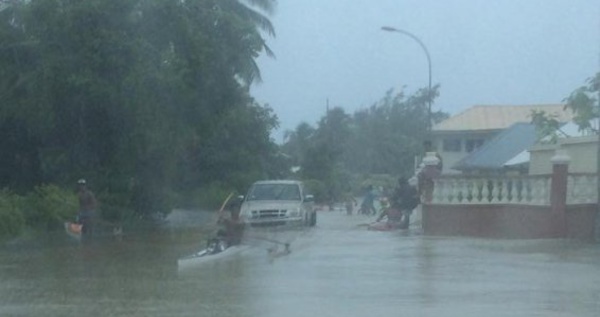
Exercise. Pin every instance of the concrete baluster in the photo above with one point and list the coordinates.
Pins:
(485, 191)
(495, 191)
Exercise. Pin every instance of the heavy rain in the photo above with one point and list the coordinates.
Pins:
(335, 269)
(299, 158)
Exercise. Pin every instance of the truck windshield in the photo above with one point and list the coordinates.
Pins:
(274, 192)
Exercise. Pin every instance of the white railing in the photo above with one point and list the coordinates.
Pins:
(582, 189)
(529, 190)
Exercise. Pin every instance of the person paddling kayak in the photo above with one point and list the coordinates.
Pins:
(232, 227)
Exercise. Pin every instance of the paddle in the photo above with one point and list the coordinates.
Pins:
(285, 244)
(266, 239)
(225, 203)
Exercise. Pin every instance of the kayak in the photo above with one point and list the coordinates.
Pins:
(73, 230)
(383, 226)
(395, 220)
(216, 249)
(208, 255)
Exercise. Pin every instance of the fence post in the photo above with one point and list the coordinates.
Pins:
(430, 170)
(558, 191)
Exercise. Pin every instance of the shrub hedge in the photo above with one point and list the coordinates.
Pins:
(46, 208)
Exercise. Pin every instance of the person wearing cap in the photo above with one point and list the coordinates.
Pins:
(87, 207)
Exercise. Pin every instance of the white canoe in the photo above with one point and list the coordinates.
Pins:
(203, 257)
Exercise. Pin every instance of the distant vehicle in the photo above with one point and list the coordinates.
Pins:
(278, 202)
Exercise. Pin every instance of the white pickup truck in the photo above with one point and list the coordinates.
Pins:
(278, 202)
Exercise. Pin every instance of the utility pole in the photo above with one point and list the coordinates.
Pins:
(422, 45)
(429, 137)
(597, 224)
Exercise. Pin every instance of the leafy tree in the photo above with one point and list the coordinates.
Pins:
(583, 101)
(546, 125)
(297, 142)
(382, 139)
(390, 133)
(142, 97)
(327, 144)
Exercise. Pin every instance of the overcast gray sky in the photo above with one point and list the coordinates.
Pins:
(482, 52)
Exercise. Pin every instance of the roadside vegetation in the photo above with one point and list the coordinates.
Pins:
(44, 208)
(146, 99)
(149, 101)
(583, 102)
(346, 152)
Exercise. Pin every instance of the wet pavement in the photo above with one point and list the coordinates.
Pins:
(336, 269)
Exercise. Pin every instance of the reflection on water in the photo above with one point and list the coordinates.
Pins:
(336, 269)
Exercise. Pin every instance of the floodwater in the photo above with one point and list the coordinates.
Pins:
(336, 269)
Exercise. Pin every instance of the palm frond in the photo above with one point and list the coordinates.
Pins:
(255, 72)
(267, 6)
(268, 51)
(258, 19)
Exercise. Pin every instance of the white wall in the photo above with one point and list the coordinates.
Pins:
(583, 152)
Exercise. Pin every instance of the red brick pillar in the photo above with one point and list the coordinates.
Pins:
(558, 192)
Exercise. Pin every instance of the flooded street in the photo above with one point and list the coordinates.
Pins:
(336, 269)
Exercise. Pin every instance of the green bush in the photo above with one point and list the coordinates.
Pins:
(12, 221)
(209, 197)
(48, 206)
(115, 207)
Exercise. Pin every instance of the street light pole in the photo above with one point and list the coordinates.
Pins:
(414, 37)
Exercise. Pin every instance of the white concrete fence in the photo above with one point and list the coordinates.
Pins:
(492, 190)
(524, 190)
(582, 189)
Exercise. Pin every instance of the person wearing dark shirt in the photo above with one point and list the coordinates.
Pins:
(405, 199)
(87, 208)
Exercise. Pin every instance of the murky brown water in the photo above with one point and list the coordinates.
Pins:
(336, 269)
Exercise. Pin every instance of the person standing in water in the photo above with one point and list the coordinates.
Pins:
(405, 199)
(87, 208)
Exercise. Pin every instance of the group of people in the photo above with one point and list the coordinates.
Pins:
(396, 206)
(404, 199)
(230, 233)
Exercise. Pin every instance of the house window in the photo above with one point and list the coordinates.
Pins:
(452, 145)
(473, 144)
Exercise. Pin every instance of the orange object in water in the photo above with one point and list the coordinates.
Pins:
(381, 226)
(75, 228)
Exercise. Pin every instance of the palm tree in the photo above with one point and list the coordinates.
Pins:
(260, 20)
(253, 15)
